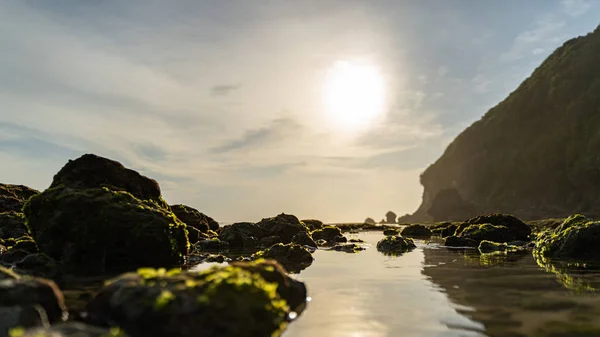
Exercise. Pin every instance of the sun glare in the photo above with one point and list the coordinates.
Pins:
(354, 95)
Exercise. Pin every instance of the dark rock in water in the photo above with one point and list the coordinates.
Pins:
(416, 231)
(192, 217)
(291, 256)
(455, 241)
(12, 256)
(313, 224)
(90, 172)
(40, 265)
(327, 233)
(576, 238)
(26, 292)
(488, 232)
(97, 230)
(340, 239)
(13, 197)
(12, 225)
(27, 244)
(285, 226)
(304, 239)
(356, 241)
(489, 247)
(395, 245)
(518, 229)
(240, 300)
(269, 241)
(242, 235)
(195, 235)
(449, 230)
(211, 245)
(73, 329)
(391, 232)
(347, 248)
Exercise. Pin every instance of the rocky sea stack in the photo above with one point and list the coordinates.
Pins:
(534, 155)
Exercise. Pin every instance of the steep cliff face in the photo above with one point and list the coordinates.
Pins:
(536, 154)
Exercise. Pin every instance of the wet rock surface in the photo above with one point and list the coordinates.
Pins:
(347, 248)
(292, 257)
(577, 238)
(416, 231)
(395, 245)
(285, 226)
(194, 218)
(328, 233)
(516, 229)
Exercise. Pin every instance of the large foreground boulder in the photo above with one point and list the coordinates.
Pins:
(192, 217)
(13, 197)
(395, 245)
(576, 238)
(241, 300)
(96, 230)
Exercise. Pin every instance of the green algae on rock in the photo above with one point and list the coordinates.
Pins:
(96, 230)
(577, 238)
(13, 197)
(395, 245)
(242, 235)
(286, 226)
(489, 247)
(304, 239)
(240, 300)
(347, 248)
(194, 218)
(313, 224)
(416, 231)
(517, 229)
(391, 232)
(293, 257)
(328, 233)
(69, 329)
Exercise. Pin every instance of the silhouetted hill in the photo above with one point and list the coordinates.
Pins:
(534, 155)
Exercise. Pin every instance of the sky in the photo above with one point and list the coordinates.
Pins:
(243, 109)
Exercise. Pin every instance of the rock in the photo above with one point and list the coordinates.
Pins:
(242, 235)
(577, 238)
(13, 197)
(391, 232)
(195, 235)
(40, 265)
(356, 241)
(72, 329)
(269, 241)
(518, 229)
(321, 242)
(390, 217)
(14, 319)
(12, 225)
(449, 230)
(327, 233)
(370, 221)
(240, 300)
(91, 172)
(285, 226)
(212, 245)
(291, 256)
(26, 292)
(488, 232)
(347, 248)
(98, 230)
(304, 239)
(27, 244)
(416, 231)
(313, 224)
(489, 247)
(3, 249)
(12, 256)
(192, 217)
(460, 242)
(395, 245)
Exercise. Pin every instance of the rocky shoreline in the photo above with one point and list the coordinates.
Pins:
(104, 234)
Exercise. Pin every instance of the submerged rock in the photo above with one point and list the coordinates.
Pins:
(313, 224)
(577, 238)
(240, 300)
(286, 226)
(13, 197)
(393, 245)
(347, 248)
(391, 232)
(292, 257)
(70, 329)
(304, 239)
(12, 225)
(416, 231)
(193, 218)
(328, 233)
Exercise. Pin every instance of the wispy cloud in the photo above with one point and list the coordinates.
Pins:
(576, 7)
(547, 31)
(224, 89)
(273, 132)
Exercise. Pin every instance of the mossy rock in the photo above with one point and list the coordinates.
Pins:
(13, 197)
(286, 226)
(518, 229)
(12, 225)
(327, 233)
(69, 329)
(313, 224)
(211, 245)
(488, 232)
(391, 232)
(460, 242)
(91, 171)
(577, 238)
(242, 299)
(242, 235)
(40, 265)
(304, 239)
(98, 230)
(489, 247)
(269, 241)
(194, 218)
(25, 292)
(27, 244)
(395, 245)
(416, 231)
(291, 256)
(347, 248)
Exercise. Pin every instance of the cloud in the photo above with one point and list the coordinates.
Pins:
(276, 130)
(547, 31)
(576, 7)
(224, 89)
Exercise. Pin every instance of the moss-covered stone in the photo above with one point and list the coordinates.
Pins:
(516, 229)
(488, 232)
(327, 233)
(460, 242)
(269, 241)
(395, 245)
(13, 197)
(291, 256)
(304, 239)
(449, 230)
(391, 232)
(12, 225)
(286, 226)
(69, 329)
(577, 238)
(489, 247)
(243, 299)
(96, 230)
(194, 218)
(27, 244)
(242, 235)
(347, 248)
(416, 231)
(313, 224)
(211, 245)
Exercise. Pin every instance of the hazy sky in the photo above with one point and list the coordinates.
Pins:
(225, 103)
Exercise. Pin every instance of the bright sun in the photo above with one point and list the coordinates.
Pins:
(354, 95)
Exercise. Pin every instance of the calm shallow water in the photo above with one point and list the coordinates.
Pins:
(433, 291)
